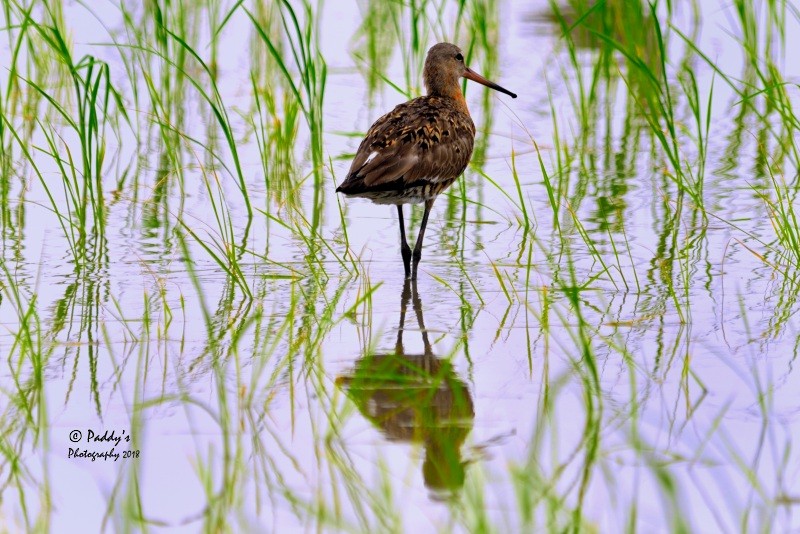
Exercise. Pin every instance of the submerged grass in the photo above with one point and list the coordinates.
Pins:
(25, 419)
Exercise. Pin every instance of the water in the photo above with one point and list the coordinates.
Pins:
(544, 381)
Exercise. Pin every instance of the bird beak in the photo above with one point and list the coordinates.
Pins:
(475, 77)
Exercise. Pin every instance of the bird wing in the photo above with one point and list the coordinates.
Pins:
(420, 140)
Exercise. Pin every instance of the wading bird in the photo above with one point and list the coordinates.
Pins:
(414, 152)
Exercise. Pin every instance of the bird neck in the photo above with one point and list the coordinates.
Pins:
(451, 91)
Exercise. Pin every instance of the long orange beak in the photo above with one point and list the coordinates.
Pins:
(475, 77)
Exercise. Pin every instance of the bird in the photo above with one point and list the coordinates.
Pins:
(417, 150)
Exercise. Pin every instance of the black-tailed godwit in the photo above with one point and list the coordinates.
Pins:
(414, 152)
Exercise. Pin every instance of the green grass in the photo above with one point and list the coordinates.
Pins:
(603, 338)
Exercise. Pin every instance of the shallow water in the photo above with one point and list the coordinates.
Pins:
(633, 369)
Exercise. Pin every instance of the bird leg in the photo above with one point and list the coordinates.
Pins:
(405, 250)
(417, 255)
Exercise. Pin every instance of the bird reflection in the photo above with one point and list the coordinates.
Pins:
(416, 398)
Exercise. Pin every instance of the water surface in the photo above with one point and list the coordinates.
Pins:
(599, 339)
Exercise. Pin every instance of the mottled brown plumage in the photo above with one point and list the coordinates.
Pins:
(414, 152)
(425, 141)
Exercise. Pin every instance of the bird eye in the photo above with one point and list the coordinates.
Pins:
(459, 57)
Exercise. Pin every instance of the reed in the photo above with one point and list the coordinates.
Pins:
(610, 312)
